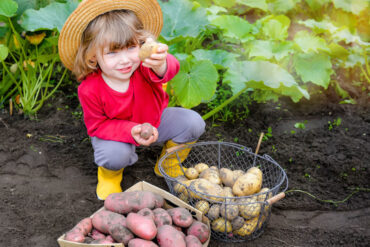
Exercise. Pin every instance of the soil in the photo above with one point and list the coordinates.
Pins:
(48, 177)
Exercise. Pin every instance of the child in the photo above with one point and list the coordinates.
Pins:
(100, 42)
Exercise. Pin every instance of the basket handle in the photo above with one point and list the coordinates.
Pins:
(276, 198)
(259, 143)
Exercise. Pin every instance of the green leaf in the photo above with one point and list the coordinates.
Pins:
(314, 67)
(345, 35)
(234, 28)
(275, 27)
(213, 12)
(51, 17)
(319, 27)
(308, 42)
(253, 74)
(316, 5)
(195, 83)
(8, 8)
(260, 4)
(269, 49)
(225, 3)
(338, 51)
(4, 51)
(181, 19)
(23, 5)
(353, 6)
(220, 58)
(354, 59)
(340, 91)
(3, 31)
(282, 6)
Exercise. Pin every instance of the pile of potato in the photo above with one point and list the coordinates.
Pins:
(138, 219)
(218, 193)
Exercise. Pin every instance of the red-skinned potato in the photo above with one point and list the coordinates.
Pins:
(103, 219)
(102, 241)
(133, 201)
(168, 236)
(79, 231)
(192, 241)
(138, 242)
(142, 226)
(162, 217)
(121, 234)
(95, 234)
(199, 230)
(75, 236)
(180, 216)
(146, 212)
(146, 130)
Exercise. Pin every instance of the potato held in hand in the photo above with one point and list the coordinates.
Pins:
(146, 130)
(147, 49)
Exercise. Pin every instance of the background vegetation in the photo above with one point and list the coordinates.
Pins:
(250, 50)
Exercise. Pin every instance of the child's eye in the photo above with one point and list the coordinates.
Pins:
(131, 47)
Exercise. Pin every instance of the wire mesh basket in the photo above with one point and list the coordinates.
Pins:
(233, 218)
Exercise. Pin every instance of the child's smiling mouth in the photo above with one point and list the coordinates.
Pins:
(125, 70)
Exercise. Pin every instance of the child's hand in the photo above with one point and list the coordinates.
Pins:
(136, 134)
(157, 61)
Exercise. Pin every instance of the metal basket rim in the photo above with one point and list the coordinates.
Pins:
(268, 158)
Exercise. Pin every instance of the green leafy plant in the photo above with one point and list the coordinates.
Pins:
(335, 123)
(300, 125)
(29, 58)
(268, 134)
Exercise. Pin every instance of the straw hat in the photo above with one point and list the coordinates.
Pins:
(148, 11)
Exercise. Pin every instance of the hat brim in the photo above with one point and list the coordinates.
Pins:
(148, 11)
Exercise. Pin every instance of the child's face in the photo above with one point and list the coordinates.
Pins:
(118, 66)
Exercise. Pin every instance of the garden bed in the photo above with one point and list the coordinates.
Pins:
(48, 177)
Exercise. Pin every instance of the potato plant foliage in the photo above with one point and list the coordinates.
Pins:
(265, 49)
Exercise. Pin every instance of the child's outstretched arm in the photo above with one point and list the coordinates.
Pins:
(157, 61)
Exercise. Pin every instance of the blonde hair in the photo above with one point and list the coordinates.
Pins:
(117, 29)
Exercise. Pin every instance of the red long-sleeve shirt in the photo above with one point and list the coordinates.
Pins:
(110, 115)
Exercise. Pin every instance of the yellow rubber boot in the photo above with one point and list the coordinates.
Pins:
(109, 182)
(171, 163)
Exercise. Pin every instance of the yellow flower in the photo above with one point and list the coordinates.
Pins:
(28, 62)
(36, 38)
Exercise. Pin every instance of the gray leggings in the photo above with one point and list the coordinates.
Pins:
(177, 124)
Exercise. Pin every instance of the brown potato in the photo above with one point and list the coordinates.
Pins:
(212, 175)
(249, 207)
(247, 184)
(202, 206)
(229, 211)
(201, 167)
(147, 49)
(227, 177)
(218, 225)
(256, 171)
(248, 227)
(191, 173)
(237, 174)
(146, 130)
(214, 212)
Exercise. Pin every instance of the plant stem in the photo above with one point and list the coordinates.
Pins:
(365, 74)
(16, 35)
(41, 101)
(225, 103)
(11, 76)
(330, 201)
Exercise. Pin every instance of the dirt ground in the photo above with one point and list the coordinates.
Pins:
(48, 178)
